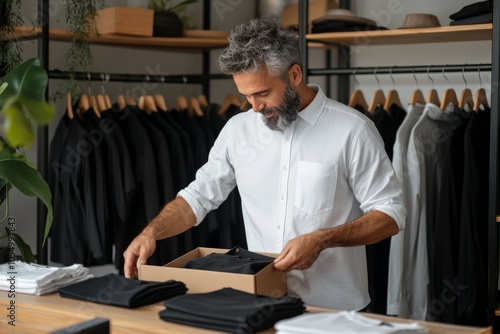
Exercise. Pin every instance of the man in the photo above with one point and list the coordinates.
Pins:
(315, 182)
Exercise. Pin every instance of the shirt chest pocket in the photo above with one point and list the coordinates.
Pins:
(315, 188)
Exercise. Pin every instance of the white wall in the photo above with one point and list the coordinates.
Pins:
(389, 13)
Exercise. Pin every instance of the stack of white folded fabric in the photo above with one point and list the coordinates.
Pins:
(38, 279)
(344, 322)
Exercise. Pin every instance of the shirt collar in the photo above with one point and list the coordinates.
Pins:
(313, 111)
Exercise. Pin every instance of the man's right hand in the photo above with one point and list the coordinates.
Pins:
(137, 253)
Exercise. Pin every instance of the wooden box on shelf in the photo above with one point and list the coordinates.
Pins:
(125, 21)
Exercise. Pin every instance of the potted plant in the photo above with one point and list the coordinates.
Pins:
(22, 103)
(168, 18)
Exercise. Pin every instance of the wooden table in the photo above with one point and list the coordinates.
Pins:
(44, 314)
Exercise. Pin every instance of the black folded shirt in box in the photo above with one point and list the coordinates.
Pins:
(117, 290)
(236, 260)
(231, 310)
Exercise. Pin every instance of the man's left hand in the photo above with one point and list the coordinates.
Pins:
(299, 253)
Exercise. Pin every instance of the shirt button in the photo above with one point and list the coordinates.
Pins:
(284, 167)
(279, 227)
(282, 197)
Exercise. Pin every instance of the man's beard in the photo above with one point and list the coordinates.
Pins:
(286, 113)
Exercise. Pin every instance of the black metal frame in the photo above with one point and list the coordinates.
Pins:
(42, 132)
(344, 71)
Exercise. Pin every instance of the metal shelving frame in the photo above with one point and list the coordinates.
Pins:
(344, 72)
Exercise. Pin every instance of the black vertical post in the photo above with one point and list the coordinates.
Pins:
(42, 132)
(206, 54)
(344, 61)
(493, 231)
(303, 28)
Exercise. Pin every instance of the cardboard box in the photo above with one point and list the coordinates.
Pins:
(125, 20)
(317, 8)
(267, 282)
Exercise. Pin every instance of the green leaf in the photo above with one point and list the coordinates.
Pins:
(28, 80)
(18, 130)
(31, 183)
(4, 189)
(41, 111)
(3, 86)
(25, 249)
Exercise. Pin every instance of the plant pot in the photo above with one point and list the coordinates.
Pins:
(167, 24)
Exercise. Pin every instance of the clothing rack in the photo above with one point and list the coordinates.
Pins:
(43, 133)
(344, 73)
(121, 77)
(402, 69)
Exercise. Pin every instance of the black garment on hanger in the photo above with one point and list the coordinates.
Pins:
(82, 235)
(113, 289)
(478, 19)
(146, 199)
(473, 250)
(231, 310)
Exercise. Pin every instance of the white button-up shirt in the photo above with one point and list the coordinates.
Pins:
(324, 170)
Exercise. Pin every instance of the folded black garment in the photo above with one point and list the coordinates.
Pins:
(477, 8)
(478, 19)
(231, 310)
(236, 260)
(342, 26)
(114, 289)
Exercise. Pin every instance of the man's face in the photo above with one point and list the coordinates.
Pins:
(277, 101)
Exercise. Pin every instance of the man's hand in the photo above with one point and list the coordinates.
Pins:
(137, 253)
(299, 253)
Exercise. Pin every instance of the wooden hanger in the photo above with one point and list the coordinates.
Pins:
(392, 98)
(226, 104)
(109, 105)
(480, 100)
(147, 104)
(433, 97)
(449, 96)
(417, 97)
(194, 107)
(130, 101)
(83, 104)
(95, 106)
(245, 105)
(182, 103)
(202, 100)
(69, 106)
(236, 100)
(358, 99)
(120, 101)
(101, 102)
(159, 101)
(466, 99)
(378, 99)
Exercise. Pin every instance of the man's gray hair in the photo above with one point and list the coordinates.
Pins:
(260, 42)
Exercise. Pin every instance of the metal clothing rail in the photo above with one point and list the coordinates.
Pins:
(402, 69)
(121, 77)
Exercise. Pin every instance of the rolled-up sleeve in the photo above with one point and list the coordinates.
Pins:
(372, 177)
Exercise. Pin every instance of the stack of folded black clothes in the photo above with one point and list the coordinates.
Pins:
(117, 290)
(236, 260)
(231, 310)
(476, 13)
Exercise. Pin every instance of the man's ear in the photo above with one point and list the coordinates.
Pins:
(295, 74)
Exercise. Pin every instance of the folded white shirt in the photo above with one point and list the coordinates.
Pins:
(39, 279)
(343, 322)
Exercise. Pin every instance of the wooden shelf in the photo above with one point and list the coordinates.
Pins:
(498, 219)
(175, 43)
(476, 32)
